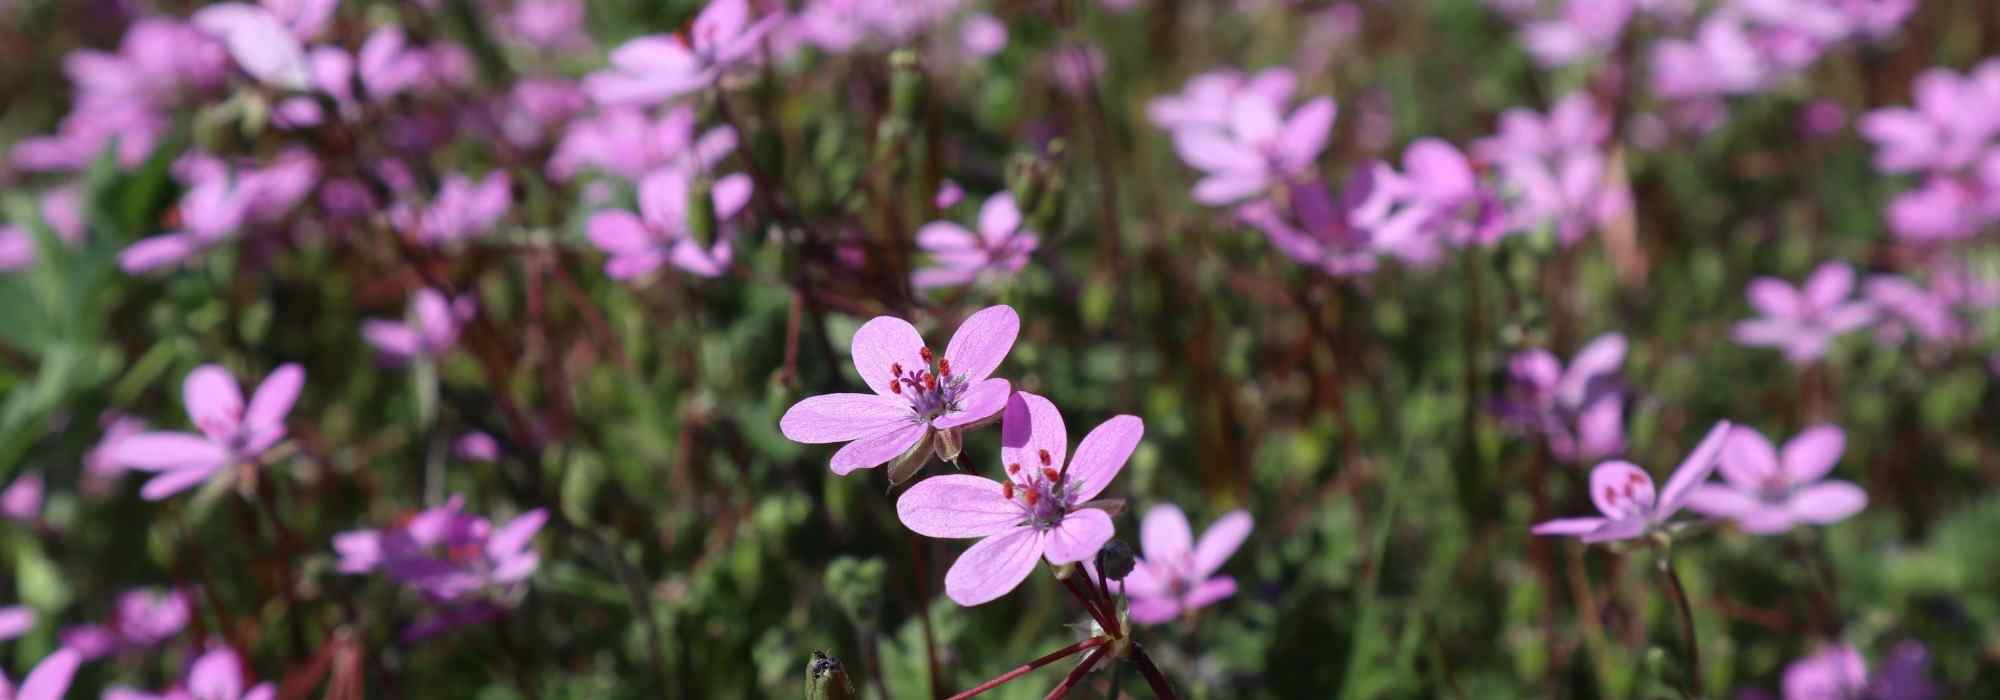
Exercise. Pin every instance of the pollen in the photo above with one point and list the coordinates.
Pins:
(1032, 497)
(1045, 458)
(926, 353)
(944, 366)
(895, 388)
(1007, 489)
(1050, 473)
(1014, 468)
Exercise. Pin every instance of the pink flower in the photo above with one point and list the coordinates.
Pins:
(142, 619)
(432, 328)
(1257, 150)
(100, 464)
(1177, 574)
(1805, 320)
(1042, 511)
(260, 42)
(17, 248)
(215, 675)
(1438, 198)
(960, 257)
(661, 232)
(231, 432)
(1838, 672)
(15, 620)
(22, 500)
(1767, 493)
(462, 209)
(1547, 398)
(446, 553)
(1207, 98)
(652, 69)
(623, 142)
(1555, 168)
(921, 402)
(48, 681)
(210, 212)
(1312, 227)
(1585, 29)
(1907, 308)
(477, 446)
(1624, 494)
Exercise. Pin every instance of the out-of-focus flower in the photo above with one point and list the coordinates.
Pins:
(1259, 149)
(231, 432)
(625, 143)
(260, 43)
(21, 501)
(1624, 494)
(1042, 510)
(840, 26)
(462, 210)
(1766, 492)
(446, 553)
(1554, 168)
(217, 206)
(1823, 118)
(15, 620)
(652, 69)
(1546, 398)
(1177, 575)
(49, 680)
(143, 618)
(1949, 138)
(1904, 308)
(531, 112)
(1437, 197)
(1838, 672)
(1310, 226)
(1076, 67)
(1581, 30)
(918, 407)
(430, 329)
(477, 446)
(549, 24)
(215, 675)
(100, 464)
(1207, 99)
(662, 231)
(17, 248)
(1804, 321)
(998, 250)
(982, 35)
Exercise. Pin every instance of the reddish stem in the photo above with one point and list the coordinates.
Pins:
(1161, 688)
(1023, 669)
(1076, 675)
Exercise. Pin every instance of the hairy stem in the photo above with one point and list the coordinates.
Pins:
(1023, 669)
(1075, 676)
(1679, 594)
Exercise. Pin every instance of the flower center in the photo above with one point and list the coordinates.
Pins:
(1043, 493)
(932, 392)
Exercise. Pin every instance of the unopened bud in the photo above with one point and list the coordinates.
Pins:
(1116, 560)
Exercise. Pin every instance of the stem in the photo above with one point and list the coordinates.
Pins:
(1679, 595)
(1161, 688)
(1023, 669)
(924, 611)
(1104, 619)
(1076, 675)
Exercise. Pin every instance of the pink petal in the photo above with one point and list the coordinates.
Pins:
(1306, 133)
(1211, 151)
(1720, 501)
(1813, 453)
(1143, 582)
(164, 451)
(993, 566)
(174, 481)
(1155, 610)
(156, 252)
(393, 339)
(843, 417)
(1773, 297)
(1608, 482)
(1210, 591)
(1601, 428)
(1079, 536)
(1616, 530)
(1222, 539)
(1695, 469)
(944, 236)
(262, 45)
(1030, 426)
(517, 534)
(617, 231)
(957, 506)
(1602, 356)
(873, 450)
(1748, 460)
(1537, 368)
(15, 620)
(982, 341)
(653, 54)
(1765, 332)
(274, 398)
(1164, 535)
(731, 194)
(213, 401)
(216, 674)
(882, 342)
(1102, 454)
(979, 403)
(1229, 187)
(50, 679)
(1255, 120)
(1828, 502)
(1569, 526)
(999, 217)
(722, 19)
(1438, 171)
(1829, 285)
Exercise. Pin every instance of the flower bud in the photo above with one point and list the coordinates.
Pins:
(1116, 560)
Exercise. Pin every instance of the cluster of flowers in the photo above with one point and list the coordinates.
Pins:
(145, 618)
(1803, 321)
(1948, 138)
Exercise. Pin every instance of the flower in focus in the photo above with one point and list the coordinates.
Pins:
(921, 401)
(960, 257)
(1804, 321)
(665, 229)
(1767, 492)
(1547, 398)
(1177, 574)
(1042, 510)
(1257, 149)
(231, 432)
(215, 675)
(49, 680)
(430, 331)
(459, 561)
(1838, 672)
(652, 69)
(142, 619)
(1624, 494)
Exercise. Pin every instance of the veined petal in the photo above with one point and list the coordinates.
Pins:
(1031, 426)
(1164, 535)
(983, 401)
(882, 342)
(1102, 454)
(1078, 537)
(1221, 540)
(958, 505)
(993, 566)
(982, 341)
(873, 450)
(843, 417)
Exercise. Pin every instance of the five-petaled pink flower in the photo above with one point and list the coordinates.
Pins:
(653, 69)
(1259, 149)
(432, 328)
(1804, 321)
(1767, 492)
(217, 674)
(1624, 493)
(1042, 510)
(1178, 573)
(1000, 248)
(1578, 408)
(231, 433)
(921, 402)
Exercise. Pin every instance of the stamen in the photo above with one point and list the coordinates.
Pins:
(1014, 468)
(1032, 497)
(930, 381)
(944, 366)
(1007, 489)
(1611, 493)
(926, 353)
(896, 369)
(1050, 474)
(895, 388)
(1045, 458)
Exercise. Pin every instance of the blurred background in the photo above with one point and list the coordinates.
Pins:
(1359, 387)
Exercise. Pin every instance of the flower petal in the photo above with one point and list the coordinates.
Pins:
(993, 566)
(958, 505)
(1222, 539)
(1155, 610)
(1030, 426)
(982, 341)
(1102, 454)
(174, 481)
(394, 340)
(882, 342)
(517, 534)
(1828, 502)
(1079, 536)
(1773, 297)
(617, 231)
(1748, 460)
(214, 402)
(843, 417)
(1306, 132)
(50, 679)
(1164, 535)
(998, 217)
(275, 396)
(157, 451)
(872, 451)
(1602, 356)
(983, 401)
(1210, 591)
(1813, 453)
(1568, 526)
(1829, 285)
(1695, 469)
(1616, 530)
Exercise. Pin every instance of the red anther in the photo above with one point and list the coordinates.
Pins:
(1032, 497)
(926, 353)
(1634, 478)
(896, 369)
(895, 388)
(1611, 493)
(1045, 458)
(1007, 489)
(1628, 489)
(930, 381)
(1050, 473)
(944, 366)
(1014, 468)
